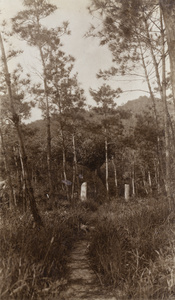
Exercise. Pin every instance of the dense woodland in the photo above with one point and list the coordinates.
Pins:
(79, 154)
(44, 163)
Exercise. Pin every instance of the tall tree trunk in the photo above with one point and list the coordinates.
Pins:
(166, 121)
(159, 152)
(23, 182)
(64, 164)
(7, 169)
(63, 144)
(157, 175)
(133, 185)
(149, 42)
(150, 182)
(49, 151)
(144, 181)
(15, 119)
(156, 67)
(106, 163)
(18, 175)
(115, 176)
(168, 10)
(133, 175)
(162, 90)
(73, 171)
(75, 168)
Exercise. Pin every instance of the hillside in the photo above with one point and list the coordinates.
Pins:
(144, 104)
(138, 105)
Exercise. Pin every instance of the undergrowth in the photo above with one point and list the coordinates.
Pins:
(132, 249)
(34, 259)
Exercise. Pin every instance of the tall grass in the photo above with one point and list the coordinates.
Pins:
(33, 263)
(132, 249)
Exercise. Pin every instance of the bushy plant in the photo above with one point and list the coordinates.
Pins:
(34, 259)
(90, 205)
(127, 244)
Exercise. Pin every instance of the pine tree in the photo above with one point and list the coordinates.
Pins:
(16, 122)
(104, 98)
(28, 25)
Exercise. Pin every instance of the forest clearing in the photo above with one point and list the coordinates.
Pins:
(87, 188)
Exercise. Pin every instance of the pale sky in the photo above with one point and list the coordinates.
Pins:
(90, 57)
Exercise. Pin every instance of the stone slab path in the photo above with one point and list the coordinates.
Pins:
(83, 283)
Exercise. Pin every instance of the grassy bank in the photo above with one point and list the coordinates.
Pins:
(34, 259)
(132, 249)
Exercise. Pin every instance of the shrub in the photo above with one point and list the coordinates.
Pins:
(34, 259)
(90, 205)
(127, 244)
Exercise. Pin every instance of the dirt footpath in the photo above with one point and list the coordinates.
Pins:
(83, 283)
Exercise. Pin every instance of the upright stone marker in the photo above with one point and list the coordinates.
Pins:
(83, 194)
(126, 192)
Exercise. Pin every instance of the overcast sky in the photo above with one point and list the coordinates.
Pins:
(90, 57)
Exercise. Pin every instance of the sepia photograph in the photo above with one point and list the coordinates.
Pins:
(87, 149)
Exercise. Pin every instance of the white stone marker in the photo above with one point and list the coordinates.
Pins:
(83, 194)
(126, 192)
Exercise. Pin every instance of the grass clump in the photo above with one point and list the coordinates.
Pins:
(132, 249)
(89, 205)
(34, 259)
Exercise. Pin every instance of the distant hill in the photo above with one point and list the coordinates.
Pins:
(130, 110)
(140, 106)
(144, 104)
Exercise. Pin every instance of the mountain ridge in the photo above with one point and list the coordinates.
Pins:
(144, 104)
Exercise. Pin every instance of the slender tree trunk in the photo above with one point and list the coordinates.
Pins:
(166, 127)
(23, 181)
(133, 175)
(169, 121)
(18, 175)
(159, 152)
(150, 181)
(15, 119)
(106, 163)
(7, 169)
(64, 166)
(133, 185)
(73, 176)
(76, 164)
(133, 178)
(156, 67)
(95, 183)
(149, 41)
(115, 176)
(162, 89)
(49, 151)
(144, 181)
(168, 10)
(157, 175)
(63, 146)
(149, 87)
(75, 171)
